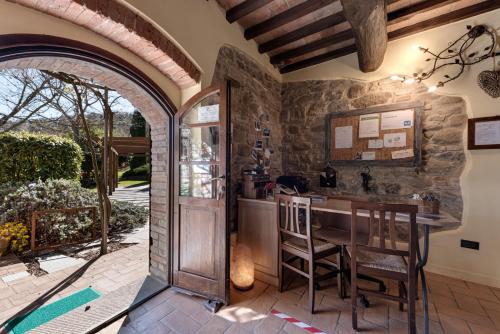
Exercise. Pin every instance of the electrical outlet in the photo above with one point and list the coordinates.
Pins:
(469, 244)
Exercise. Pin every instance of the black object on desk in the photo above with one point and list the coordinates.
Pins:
(294, 182)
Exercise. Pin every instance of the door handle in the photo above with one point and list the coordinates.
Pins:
(218, 178)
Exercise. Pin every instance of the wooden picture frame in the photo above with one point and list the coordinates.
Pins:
(472, 124)
(416, 133)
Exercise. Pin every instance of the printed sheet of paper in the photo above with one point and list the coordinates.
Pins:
(395, 139)
(402, 154)
(208, 114)
(376, 143)
(401, 119)
(369, 126)
(368, 156)
(343, 137)
(487, 133)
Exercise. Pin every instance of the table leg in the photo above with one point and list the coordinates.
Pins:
(422, 261)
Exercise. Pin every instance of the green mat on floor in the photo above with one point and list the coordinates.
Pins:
(44, 314)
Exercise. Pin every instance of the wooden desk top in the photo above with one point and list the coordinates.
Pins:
(342, 205)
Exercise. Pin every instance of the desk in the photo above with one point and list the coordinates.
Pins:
(258, 229)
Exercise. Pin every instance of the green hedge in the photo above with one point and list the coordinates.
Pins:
(28, 157)
(139, 173)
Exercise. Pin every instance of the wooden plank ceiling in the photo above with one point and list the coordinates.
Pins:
(302, 33)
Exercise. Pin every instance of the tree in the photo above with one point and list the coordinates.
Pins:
(24, 93)
(82, 90)
(138, 129)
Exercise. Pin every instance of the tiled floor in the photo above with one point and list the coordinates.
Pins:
(106, 274)
(456, 307)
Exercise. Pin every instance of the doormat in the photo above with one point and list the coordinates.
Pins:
(44, 314)
(296, 322)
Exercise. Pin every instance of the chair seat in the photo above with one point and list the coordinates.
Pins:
(380, 261)
(333, 235)
(301, 245)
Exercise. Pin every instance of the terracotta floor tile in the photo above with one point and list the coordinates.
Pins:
(464, 315)
(236, 329)
(216, 325)
(454, 325)
(270, 324)
(469, 304)
(477, 293)
(180, 323)
(377, 313)
(152, 316)
(476, 329)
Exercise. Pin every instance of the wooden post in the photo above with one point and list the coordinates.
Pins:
(368, 19)
(116, 170)
(109, 179)
(33, 230)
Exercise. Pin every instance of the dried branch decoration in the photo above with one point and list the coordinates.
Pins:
(458, 55)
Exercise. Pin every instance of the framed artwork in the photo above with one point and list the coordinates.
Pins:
(483, 133)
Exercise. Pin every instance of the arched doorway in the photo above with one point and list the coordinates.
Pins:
(84, 60)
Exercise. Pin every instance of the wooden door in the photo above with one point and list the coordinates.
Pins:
(200, 231)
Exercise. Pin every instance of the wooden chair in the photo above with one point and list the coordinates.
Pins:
(382, 261)
(296, 241)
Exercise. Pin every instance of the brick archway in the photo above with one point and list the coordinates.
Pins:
(72, 57)
(125, 27)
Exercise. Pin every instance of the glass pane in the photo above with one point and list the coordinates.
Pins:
(199, 144)
(195, 180)
(206, 111)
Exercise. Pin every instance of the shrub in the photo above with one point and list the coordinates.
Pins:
(58, 194)
(42, 195)
(126, 216)
(28, 157)
(16, 235)
(139, 173)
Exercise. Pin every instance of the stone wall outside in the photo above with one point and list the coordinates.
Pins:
(305, 105)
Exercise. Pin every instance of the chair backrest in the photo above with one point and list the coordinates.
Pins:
(294, 218)
(378, 213)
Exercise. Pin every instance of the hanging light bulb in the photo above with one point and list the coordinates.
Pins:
(432, 89)
(409, 81)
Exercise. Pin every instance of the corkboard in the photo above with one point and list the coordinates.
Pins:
(383, 156)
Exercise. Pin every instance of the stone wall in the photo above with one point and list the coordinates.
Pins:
(256, 96)
(305, 105)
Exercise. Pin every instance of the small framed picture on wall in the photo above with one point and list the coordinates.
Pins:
(483, 133)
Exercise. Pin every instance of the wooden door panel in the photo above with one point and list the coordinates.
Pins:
(202, 286)
(198, 241)
(200, 230)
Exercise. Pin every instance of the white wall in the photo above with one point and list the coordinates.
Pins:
(481, 179)
(200, 28)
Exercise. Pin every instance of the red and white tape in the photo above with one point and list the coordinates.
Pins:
(296, 322)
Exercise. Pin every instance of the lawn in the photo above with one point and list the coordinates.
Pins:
(132, 183)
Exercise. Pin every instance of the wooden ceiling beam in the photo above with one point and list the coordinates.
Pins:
(319, 59)
(418, 8)
(392, 17)
(312, 28)
(285, 17)
(440, 20)
(313, 46)
(447, 18)
(246, 7)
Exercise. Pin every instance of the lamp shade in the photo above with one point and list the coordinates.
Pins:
(242, 268)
